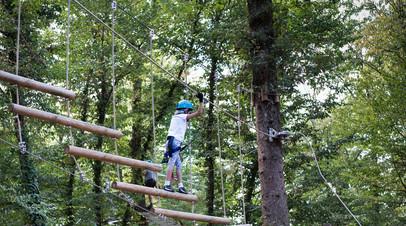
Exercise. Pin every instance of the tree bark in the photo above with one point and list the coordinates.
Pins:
(267, 111)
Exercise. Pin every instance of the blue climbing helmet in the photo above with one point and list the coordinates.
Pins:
(184, 104)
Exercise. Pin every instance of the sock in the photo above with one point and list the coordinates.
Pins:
(180, 185)
(167, 182)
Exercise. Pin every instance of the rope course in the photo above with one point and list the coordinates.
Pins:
(116, 159)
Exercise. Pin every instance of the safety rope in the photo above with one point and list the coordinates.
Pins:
(241, 169)
(67, 87)
(185, 60)
(17, 64)
(113, 8)
(329, 185)
(151, 36)
(219, 143)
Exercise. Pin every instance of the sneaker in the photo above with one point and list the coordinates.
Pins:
(164, 160)
(183, 190)
(149, 207)
(169, 188)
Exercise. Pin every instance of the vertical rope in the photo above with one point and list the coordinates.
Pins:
(67, 87)
(113, 8)
(151, 36)
(219, 143)
(17, 64)
(239, 146)
(190, 146)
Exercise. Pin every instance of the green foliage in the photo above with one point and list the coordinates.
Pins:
(359, 140)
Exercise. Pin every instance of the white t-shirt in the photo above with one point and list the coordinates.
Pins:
(178, 127)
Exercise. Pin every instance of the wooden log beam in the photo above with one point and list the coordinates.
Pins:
(192, 216)
(106, 157)
(50, 117)
(153, 191)
(32, 84)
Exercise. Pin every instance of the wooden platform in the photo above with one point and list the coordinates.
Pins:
(192, 216)
(153, 191)
(106, 157)
(32, 84)
(62, 120)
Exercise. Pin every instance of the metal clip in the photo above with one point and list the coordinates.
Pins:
(82, 178)
(114, 5)
(151, 33)
(23, 147)
(216, 76)
(278, 135)
(186, 58)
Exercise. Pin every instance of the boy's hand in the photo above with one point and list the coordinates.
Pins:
(200, 96)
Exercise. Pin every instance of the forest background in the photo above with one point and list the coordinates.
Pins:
(341, 79)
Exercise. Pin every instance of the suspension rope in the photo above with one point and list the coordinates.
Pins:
(151, 36)
(67, 87)
(329, 185)
(113, 8)
(219, 143)
(186, 59)
(17, 63)
(239, 147)
(164, 70)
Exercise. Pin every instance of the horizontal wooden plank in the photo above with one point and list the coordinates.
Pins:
(192, 216)
(122, 186)
(32, 84)
(106, 157)
(54, 118)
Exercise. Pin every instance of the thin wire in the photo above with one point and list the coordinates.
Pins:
(67, 87)
(17, 63)
(219, 143)
(241, 170)
(329, 185)
(151, 35)
(114, 86)
(186, 58)
(163, 69)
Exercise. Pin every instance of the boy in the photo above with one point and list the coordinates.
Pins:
(176, 134)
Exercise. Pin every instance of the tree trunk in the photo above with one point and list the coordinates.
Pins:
(267, 111)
